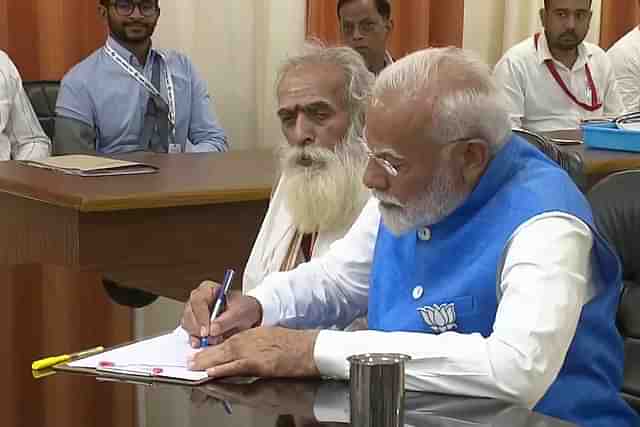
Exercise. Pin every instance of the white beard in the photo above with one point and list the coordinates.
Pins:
(437, 202)
(328, 194)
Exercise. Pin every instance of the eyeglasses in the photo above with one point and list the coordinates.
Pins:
(147, 8)
(393, 170)
(384, 163)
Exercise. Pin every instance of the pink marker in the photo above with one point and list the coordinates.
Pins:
(110, 365)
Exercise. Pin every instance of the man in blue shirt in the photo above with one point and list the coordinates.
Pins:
(128, 96)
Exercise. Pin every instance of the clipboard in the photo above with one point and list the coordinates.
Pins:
(130, 376)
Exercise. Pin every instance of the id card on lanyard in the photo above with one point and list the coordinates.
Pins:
(591, 92)
(174, 146)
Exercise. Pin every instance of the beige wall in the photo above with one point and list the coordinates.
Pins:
(236, 46)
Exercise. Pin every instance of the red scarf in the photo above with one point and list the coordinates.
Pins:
(595, 105)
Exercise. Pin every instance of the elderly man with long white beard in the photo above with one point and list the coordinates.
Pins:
(321, 100)
(321, 97)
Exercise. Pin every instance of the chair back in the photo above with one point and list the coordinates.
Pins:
(616, 210)
(43, 96)
(569, 161)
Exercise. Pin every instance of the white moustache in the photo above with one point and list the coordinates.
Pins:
(387, 199)
(306, 157)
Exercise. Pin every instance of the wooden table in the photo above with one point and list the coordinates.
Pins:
(596, 163)
(271, 403)
(162, 233)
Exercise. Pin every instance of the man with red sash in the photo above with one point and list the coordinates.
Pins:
(555, 79)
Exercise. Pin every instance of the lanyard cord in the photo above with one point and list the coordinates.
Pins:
(595, 105)
(144, 82)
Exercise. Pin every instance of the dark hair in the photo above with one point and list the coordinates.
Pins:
(546, 3)
(107, 3)
(383, 6)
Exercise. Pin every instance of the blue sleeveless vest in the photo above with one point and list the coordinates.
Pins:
(457, 266)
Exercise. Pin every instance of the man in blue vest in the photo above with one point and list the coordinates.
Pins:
(487, 268)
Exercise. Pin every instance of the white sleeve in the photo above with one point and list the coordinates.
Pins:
(327, 291)
(545, 282)
(627, 72)
(18, 119)
(509, 80)
(7, 94)
(32, 143)
(613, 105)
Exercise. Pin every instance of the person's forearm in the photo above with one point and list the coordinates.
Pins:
(73, 137)
(320, 303)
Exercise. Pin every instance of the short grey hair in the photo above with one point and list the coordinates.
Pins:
(358, 79)
(457, 91)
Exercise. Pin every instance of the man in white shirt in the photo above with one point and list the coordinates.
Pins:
(366, 25)
(321, 99)
(555, 79)
(21, 136)
(625, 58)
(495, 286)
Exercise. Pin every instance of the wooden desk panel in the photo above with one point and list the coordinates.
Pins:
(165, 251)
(51, 310)
(170, 250)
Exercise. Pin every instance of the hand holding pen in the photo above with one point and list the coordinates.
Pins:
(201, 318)
(219, 305)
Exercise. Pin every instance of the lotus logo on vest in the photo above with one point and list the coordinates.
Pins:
(441, 318)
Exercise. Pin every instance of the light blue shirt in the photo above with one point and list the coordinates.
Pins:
(101, 94)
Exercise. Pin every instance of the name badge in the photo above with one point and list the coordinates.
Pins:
(589, 95)
(175, 148)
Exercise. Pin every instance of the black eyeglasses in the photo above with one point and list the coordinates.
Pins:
(147, 8)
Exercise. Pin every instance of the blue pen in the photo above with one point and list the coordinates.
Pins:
(220, 301)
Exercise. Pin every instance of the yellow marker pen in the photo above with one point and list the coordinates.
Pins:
(51, 361)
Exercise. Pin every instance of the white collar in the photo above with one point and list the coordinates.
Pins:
(544, 54)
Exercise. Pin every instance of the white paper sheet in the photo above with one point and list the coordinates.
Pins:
(167, 352)
(633, 126)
